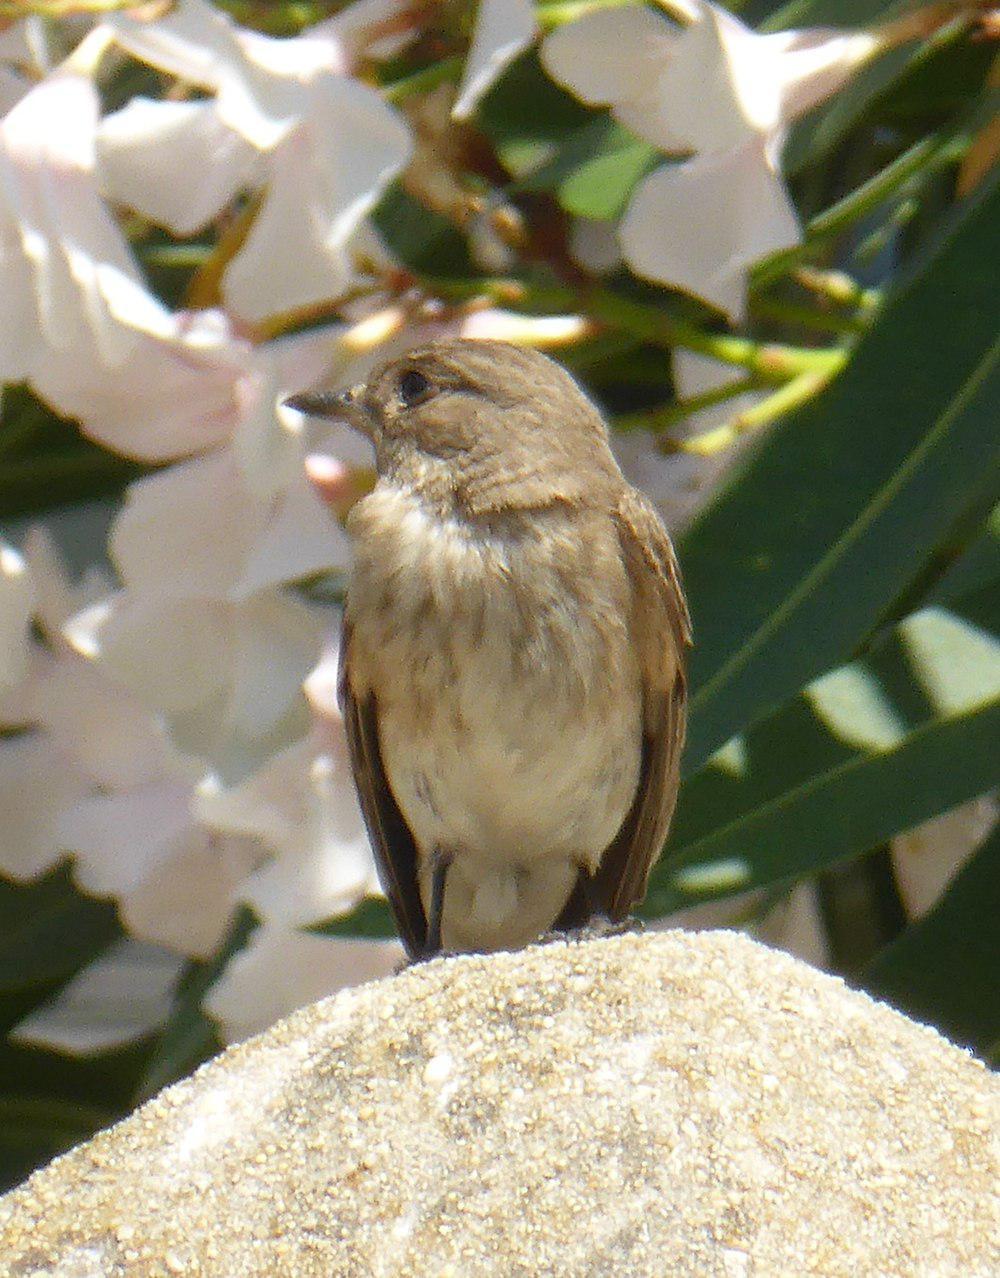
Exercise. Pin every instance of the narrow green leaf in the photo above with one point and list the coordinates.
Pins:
(595, 169)
(867, 751)
(528, 117)
(943, 968)
(47, 1123)
(48, 930)
(845, 500)
(372, 918)
(190, 1036)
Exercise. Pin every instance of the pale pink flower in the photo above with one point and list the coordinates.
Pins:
(327, 146)
(121, 996)
(281, 970)
(504, 28)
(77, 321)
(16, 606)
(721, 94)
(681, 483)
(302, 806)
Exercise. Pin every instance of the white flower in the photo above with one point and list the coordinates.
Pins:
(302, 805)
(120, 997)
(324, 177)
(722, 94)
(281, 970)
(504, 28)
(328, 146)
(16, 605)
(37, 784)
(94, 774)
(681, 483)
(23, 54)
(225, 677)
(56, 236)
(927, 858)
(177, 163)
(77, 320)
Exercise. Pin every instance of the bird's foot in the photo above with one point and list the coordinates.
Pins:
(425, 956)
(597, 926)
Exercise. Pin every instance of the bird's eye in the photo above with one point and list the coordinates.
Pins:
(413, 388)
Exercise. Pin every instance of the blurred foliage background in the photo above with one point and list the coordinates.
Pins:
(842, 575)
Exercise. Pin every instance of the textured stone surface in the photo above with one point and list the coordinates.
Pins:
(671, 1103)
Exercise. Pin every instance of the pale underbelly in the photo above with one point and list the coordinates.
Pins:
(520, 787)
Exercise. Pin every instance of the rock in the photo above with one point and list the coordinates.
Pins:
(655, 1104)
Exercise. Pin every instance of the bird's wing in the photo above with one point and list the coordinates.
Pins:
(390, 836)
(662, 632)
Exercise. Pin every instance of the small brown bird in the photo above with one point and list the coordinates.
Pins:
(512, 665)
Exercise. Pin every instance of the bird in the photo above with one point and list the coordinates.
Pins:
(512, 674)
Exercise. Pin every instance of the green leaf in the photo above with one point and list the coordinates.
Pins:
(528, 117)
(840, 13)
(943, 968)
(423, 240)
(372, 918)
(869, 750)
(49, 930)
(976, 569)
(595, 169)
(35, 1129)
(844, 501)
(30, 1122)
(190, 1036)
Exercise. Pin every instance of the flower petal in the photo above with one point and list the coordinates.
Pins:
(609, 56)
(118, 840)
(325, 176)
(281, 970)
(815, 63)
(926, 859)
(187, 530)
(108, 734)
(700, 224)
(173, 654)
(276, 642)
(300, 539)
(55, 232)
(302, 805)
(36, 785)
(174, 162)
(355, 27)
(504, 28)
(16, 606)
(174, 394)
(56, 597)
(193, 41)
(186, 902)
(122, 996)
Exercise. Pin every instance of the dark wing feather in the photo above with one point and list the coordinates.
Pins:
(390, 836)
(662, 631)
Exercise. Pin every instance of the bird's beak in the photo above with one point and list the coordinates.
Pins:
(346, 404)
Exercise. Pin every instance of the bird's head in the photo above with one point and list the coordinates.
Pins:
(485, 424)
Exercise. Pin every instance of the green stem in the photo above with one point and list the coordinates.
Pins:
(556, 13)
(177, 256)
(664, 418)
(806, 317)
(787, 397)
(923, 158)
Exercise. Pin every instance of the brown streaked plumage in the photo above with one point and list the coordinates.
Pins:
(512, 672)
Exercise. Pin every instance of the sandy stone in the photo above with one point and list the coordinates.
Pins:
(665, 1104)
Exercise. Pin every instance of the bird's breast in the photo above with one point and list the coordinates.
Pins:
(507, 685)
